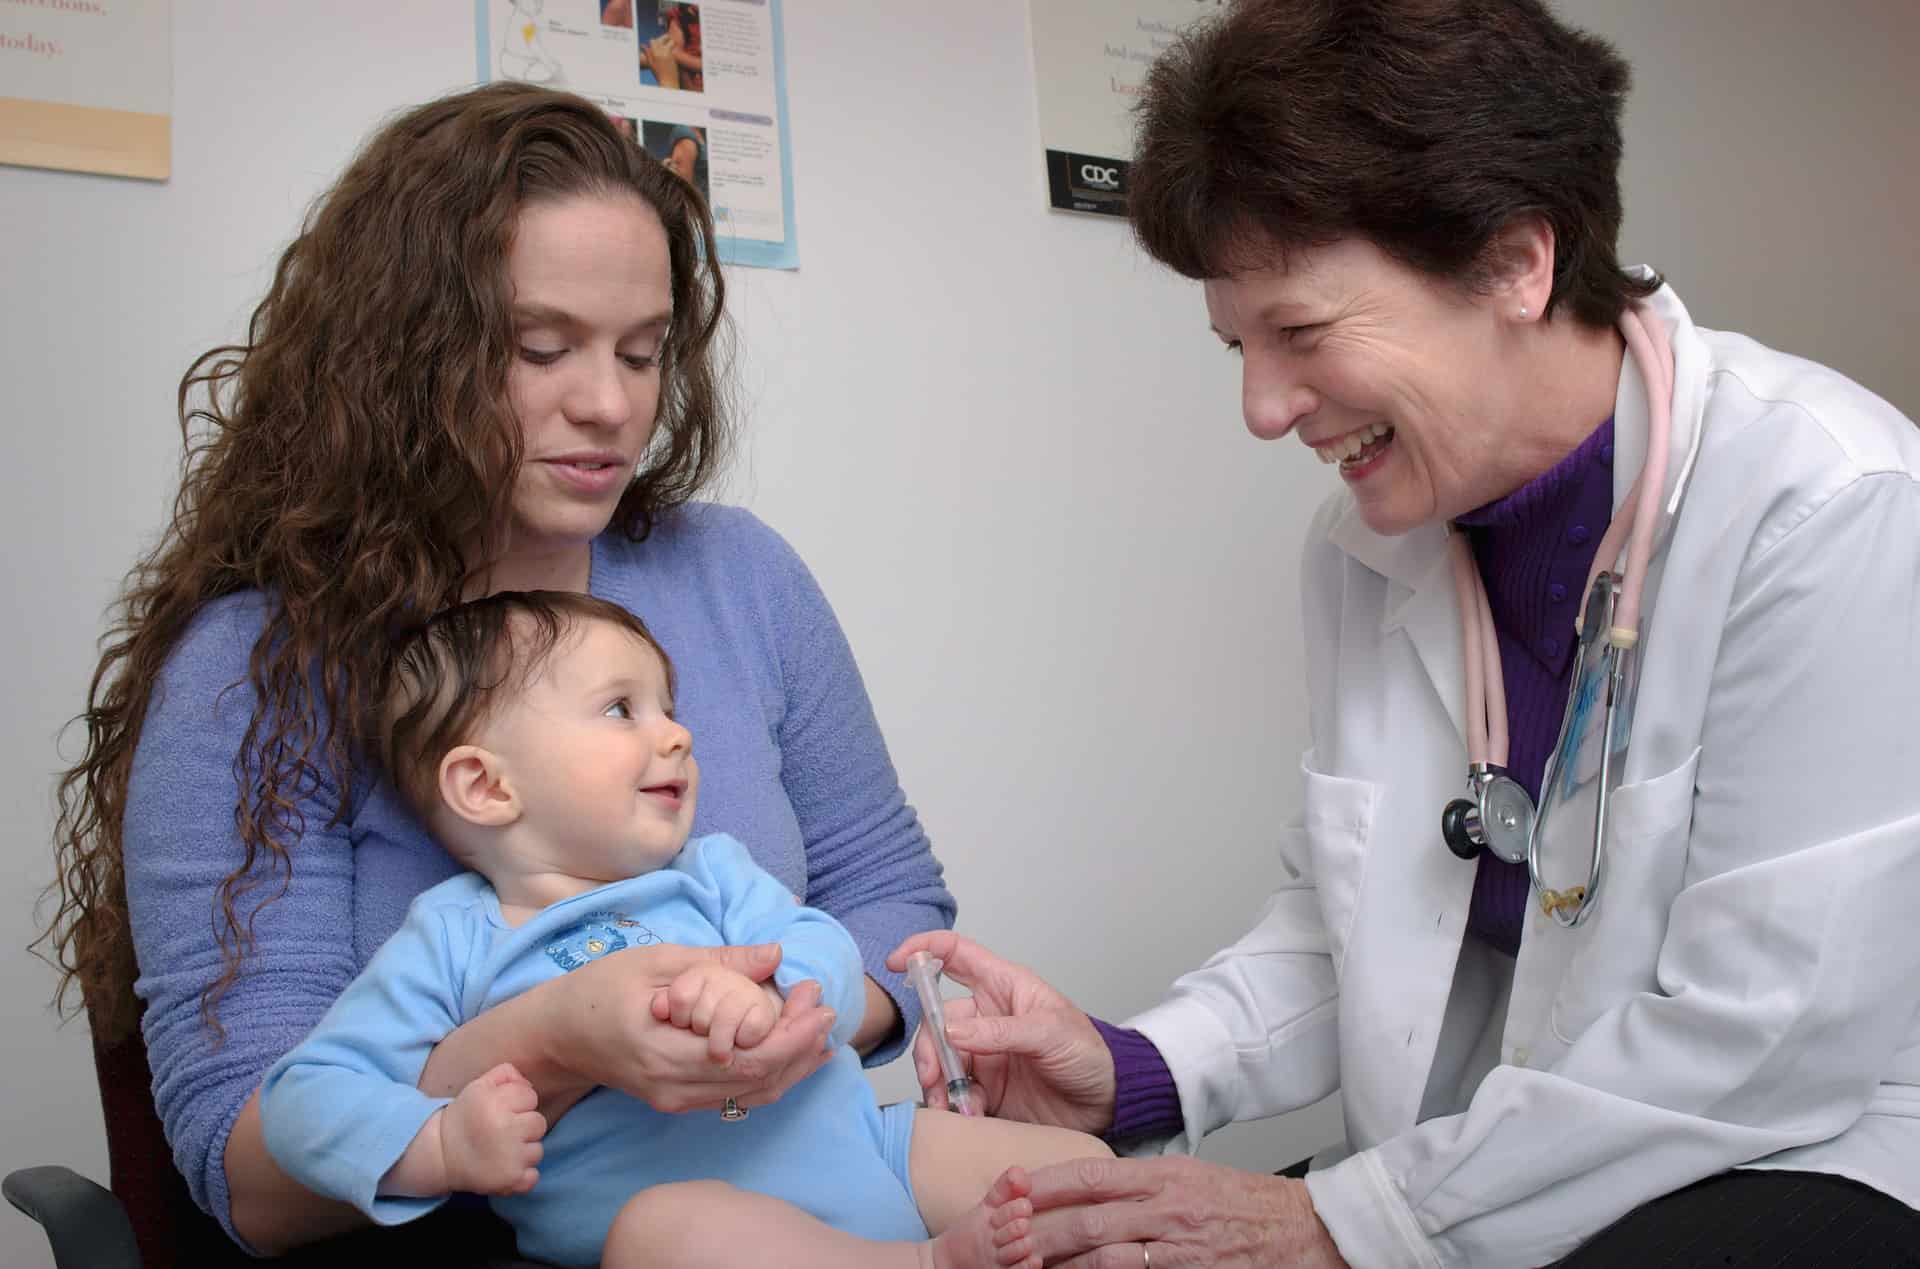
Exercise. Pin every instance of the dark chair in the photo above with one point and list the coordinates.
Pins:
(147, 1220)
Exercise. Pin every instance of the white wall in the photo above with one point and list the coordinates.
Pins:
(1006, 443)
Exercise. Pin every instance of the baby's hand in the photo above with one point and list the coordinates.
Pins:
(724, 1005)
(491, 1135)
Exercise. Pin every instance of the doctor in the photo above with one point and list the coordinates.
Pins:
(1701, 1041)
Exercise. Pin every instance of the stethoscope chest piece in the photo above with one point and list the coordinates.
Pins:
(1498, 816)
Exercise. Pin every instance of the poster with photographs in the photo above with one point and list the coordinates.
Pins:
(87, 86)
(1089, 60)
(702, 87)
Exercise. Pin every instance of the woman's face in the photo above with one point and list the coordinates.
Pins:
(1380, 369)
(592, 296)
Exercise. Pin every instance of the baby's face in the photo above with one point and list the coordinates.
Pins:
(605, 776)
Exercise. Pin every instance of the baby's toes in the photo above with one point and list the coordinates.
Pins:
(1013, 1233)
(1017, 1257)
(1007, 1214)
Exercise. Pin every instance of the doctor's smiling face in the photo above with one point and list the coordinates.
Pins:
(1390, 374)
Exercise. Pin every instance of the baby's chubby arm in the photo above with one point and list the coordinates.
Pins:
(485, 1141)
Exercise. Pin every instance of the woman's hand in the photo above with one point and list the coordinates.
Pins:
(1099, 1213)
(1034, 1056)
(595, 1027)
(602, 1028)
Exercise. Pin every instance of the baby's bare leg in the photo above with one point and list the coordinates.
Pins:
(955, 1159)
(713, 1225)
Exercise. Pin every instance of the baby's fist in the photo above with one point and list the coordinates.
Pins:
(721, 1004)
(492, 1134)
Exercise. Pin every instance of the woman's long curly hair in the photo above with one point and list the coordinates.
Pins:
(355, 461)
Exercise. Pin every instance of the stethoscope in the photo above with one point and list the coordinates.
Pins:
(1497, 815)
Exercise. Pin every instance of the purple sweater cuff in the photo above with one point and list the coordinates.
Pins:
(1145, 1102)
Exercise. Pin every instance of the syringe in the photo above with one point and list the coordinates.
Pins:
(923, 971)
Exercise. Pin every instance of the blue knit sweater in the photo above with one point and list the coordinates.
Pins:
(792, 763)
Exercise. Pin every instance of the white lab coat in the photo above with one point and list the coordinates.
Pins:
(1747, 989)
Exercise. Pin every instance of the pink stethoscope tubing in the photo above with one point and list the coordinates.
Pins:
(1486, 695)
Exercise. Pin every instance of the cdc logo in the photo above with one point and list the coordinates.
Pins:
(1087, 182)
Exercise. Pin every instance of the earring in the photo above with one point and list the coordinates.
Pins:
(1523, 312)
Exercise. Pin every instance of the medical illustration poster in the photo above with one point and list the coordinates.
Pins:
(1089, 59)
(702, 87)
(87, 86)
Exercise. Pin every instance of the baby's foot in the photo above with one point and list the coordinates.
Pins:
(994, 1234)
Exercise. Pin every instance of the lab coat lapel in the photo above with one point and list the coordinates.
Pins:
(1421, 599)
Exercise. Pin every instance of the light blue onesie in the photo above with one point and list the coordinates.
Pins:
(341, 1108)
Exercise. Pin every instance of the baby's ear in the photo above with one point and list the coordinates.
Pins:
(474, 786)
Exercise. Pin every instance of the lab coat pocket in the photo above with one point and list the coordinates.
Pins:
(1339, 820)
(1618, 946)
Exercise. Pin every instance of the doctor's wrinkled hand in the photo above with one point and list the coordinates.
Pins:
(1101, 1213)
(1033, 1055)
(605, 1031)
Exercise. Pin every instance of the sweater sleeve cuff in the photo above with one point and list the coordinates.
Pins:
(1145, 1101)
(219, 1199)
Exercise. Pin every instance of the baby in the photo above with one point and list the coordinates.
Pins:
(535, 734)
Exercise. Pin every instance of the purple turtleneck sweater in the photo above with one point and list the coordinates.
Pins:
(1534, 548)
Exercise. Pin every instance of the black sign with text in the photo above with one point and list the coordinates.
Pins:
(1087, 183)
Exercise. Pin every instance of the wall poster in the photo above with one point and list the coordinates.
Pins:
(87, 85)
(1090, 58)
(703, 86)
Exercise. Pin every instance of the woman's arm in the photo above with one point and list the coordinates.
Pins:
(179, 843)
(595, 1026)
(272, 1212)
(869, 863)
(515, 1031)
(881, 1020)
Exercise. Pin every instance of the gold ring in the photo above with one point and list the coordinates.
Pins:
(733, 1112)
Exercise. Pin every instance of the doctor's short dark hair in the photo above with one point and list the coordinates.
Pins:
(447, 676)
(1423, 126)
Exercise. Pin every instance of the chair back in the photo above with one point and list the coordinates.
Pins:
(170, 1229)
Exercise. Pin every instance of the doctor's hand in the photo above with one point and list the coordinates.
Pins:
(1099, 1213)
(1033, 1055)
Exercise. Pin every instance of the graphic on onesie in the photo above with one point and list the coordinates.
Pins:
(595, 936)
